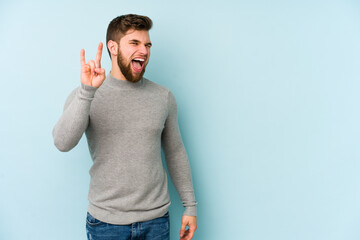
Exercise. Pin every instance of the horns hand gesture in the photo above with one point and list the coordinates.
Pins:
(91, 73)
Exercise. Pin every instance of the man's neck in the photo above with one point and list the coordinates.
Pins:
(116, 72)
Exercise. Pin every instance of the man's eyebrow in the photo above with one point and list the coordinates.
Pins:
(137, 41)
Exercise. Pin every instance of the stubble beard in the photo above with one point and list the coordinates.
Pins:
(126, 69)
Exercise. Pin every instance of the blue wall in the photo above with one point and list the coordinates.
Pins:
(268, 100)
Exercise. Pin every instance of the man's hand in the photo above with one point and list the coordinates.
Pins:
(187, 221)
(91, 73)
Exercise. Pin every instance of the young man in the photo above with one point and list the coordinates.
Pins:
(127, 119)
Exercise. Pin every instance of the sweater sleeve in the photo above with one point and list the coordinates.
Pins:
(75, 118)
(177, 160)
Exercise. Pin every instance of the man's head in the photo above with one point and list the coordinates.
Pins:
(128, 43)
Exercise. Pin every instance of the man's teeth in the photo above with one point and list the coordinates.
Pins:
(139, 59)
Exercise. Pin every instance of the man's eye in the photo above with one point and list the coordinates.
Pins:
(134, 43)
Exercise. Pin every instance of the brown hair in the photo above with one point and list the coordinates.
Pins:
(120, 25)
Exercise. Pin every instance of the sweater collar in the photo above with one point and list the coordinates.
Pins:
(123, 84)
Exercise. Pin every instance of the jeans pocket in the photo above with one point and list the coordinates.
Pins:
(92, 221)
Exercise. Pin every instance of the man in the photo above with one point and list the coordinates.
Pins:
(127, 119)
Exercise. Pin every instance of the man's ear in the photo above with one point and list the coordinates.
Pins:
(113, 47)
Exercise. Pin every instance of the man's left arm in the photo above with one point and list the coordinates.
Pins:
(179, 168)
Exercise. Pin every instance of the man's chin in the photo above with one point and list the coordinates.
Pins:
(135, 80)
(135, 77)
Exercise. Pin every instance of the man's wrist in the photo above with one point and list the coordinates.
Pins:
(87, 91)
(190, 211)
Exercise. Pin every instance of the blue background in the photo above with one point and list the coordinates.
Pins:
(268, 103)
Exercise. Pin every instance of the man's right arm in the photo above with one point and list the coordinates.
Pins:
(75, 118)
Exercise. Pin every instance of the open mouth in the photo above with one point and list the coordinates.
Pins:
(137, 64)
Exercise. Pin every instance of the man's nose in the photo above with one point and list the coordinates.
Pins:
(143, 50)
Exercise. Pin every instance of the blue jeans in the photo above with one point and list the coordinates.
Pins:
(155, 229)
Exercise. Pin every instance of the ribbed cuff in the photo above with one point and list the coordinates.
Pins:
(190, 211)
(87, 92)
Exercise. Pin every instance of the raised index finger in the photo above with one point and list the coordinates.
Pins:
(82, 56)
(98, 56)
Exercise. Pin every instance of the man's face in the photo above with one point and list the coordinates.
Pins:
(133, 54)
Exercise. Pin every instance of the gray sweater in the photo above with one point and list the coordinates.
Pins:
(126, 124)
